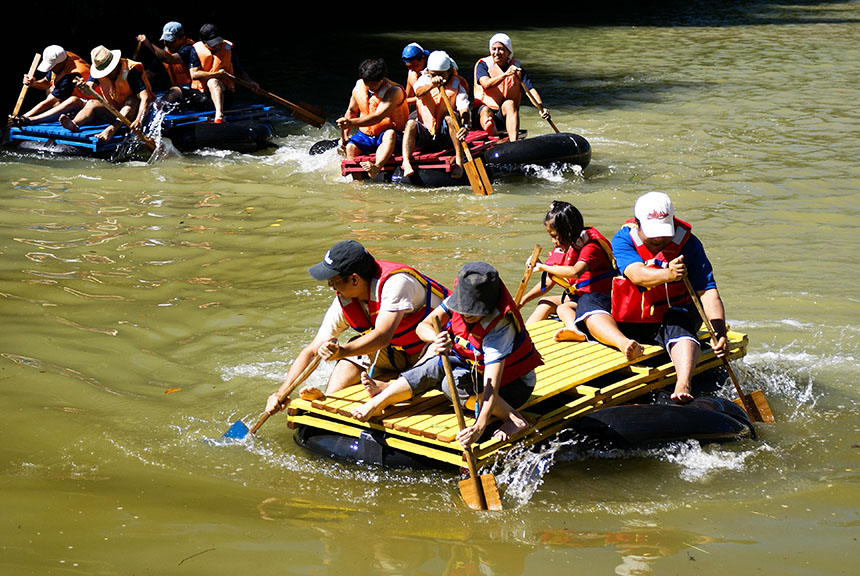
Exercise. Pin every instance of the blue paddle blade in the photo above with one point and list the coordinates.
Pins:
(237, 430)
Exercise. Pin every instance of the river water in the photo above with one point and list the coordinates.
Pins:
(146, 306)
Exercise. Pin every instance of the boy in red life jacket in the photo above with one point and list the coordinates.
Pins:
(492, 357)
(654, 251)
(383, 301)
(582, 264)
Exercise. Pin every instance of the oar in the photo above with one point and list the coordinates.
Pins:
(23, 94)
(24, 88)
(85, 88)
(535, 103)
(755, 404)
(479, 492)
(238, 430)
(521, 289)
(302, 111)
(475, 169)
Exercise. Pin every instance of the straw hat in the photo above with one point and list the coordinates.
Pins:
(104, 61)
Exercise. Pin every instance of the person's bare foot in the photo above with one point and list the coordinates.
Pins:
(372, 386)
(371, 169)
(107, 133)
(311, 393)
(568, 335)
(365, 412)
(69, 124)
(512, 426)
(633, 350)
(682, 395)
(406, 168)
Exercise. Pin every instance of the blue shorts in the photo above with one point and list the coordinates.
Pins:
(368, 144)
(678, 323)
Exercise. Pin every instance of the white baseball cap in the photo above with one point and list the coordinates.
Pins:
(52, 56)
(655, 214)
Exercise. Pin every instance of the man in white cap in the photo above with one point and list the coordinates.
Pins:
(61, 69)
(654, 252)
(175, 58)
(382, 301)
(123, 84)
(431, 132)
(499, 82)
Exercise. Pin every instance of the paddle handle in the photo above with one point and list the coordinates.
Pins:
(24, 88)
(317, 119)
(286, 394)
(524, 282)
(698, 303)
(535, 103)
(482, 186)
(461, 422)
(85, 88)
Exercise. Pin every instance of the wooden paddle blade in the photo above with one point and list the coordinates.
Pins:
(478, 178)
(491, 492)
(761, 411)
(471, 495)
(237, 431)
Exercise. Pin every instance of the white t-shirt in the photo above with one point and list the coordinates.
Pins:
(401, 292)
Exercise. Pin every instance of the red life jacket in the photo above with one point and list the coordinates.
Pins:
(632, 303)
(468, 340)
(405, 336)
(587, 280)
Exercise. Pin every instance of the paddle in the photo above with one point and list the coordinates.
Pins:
(24, 88)
(535, 103)
(238, 430)
(521, 289)
(479, 492)
(86, 89)
(755, 404)
(474, 166)
(304, 112)
(23, 94)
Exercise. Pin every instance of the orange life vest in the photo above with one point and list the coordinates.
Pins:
(584, 283)
(431, 110)
(178, 73)
(74, 64)
(632, 303)
(368, 103)
(493, 97)
(362, 319)
(222, 59)
(468, 340)
(121, 89)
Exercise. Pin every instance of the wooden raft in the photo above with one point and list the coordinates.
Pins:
(575, 379)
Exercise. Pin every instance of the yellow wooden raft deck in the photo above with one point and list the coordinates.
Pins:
(576, 378)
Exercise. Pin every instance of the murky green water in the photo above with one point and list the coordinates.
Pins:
(147, 306)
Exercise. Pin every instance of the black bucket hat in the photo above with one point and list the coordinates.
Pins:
(477, 290)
